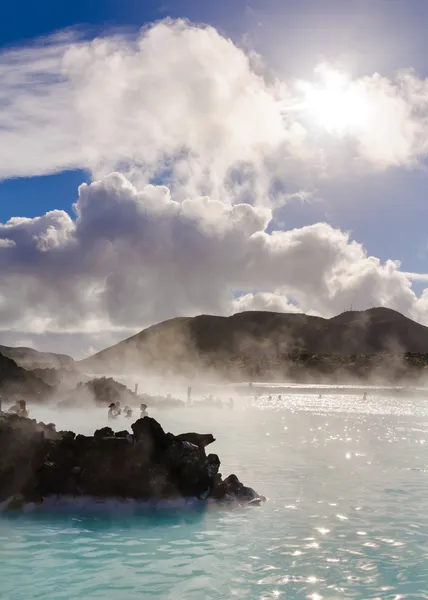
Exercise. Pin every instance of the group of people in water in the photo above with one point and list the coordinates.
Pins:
(20, 409)
(115, 411)
(320, 397)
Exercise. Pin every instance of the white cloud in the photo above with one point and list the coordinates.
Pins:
(263, 301)
(183, 104)
(417, 276)
(395, 132)
(181, 101)
(5, 243)
(132, 258)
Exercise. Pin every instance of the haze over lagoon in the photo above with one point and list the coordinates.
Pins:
(171, 160)
(345, 518)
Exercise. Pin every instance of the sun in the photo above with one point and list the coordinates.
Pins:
(337, 103)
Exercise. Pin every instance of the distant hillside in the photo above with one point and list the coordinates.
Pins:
(258, 344)
(28, 358)
(15, 380)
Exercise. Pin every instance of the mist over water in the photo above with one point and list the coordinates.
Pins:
(346, 481)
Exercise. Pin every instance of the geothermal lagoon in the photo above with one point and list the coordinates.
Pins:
(346, 482)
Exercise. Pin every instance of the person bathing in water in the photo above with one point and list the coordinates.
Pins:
(115, 411)
(19, 408)
(112, 411)
(143, 411)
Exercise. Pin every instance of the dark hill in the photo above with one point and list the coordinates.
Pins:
(15, 380)
(249, 343)
(28, 358)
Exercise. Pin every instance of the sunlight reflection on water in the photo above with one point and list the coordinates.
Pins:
(346, 482)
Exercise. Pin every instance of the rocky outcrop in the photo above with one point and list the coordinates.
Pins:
(198, 439)
(106, 390)
(101, 391)
(37, 462)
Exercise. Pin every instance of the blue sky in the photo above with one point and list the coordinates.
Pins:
(383, 206)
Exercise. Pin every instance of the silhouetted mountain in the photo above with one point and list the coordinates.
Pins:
(28, 358)
(256, 343)
(15, 380)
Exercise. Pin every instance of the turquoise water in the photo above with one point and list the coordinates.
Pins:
(346, 517)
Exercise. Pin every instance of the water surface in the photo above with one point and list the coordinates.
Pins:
(346, 481)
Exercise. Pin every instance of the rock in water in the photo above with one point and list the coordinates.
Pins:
(37, 462)
(104, 432)
(198, 439)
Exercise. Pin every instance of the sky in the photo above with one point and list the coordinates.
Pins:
(160, 159)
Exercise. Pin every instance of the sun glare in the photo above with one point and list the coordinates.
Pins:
(337, 104)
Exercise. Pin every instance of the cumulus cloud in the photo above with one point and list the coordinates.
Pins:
(180, 102)
(183, 104)
(133, 257)
(5, 243)
(417, 276)
(263, 301)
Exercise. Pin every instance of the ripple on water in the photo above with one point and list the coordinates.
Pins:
(346, 517)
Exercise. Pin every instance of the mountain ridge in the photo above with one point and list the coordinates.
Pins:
(29, 358)
(241, 343)
(15, 380)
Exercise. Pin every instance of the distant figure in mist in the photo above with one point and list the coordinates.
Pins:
(118, 409)
(112, 411)
(128, 412)
(279, 398)
(365, 396)
(19, 408)
(319, 396)
(143, 411)
(189, 395)
(231, 403)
